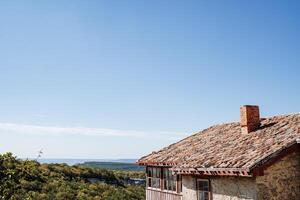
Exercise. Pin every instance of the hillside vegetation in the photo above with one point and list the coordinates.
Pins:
(31, 180)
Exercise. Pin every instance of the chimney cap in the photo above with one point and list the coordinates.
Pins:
(248, 105)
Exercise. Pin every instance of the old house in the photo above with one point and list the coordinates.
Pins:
(256, 158)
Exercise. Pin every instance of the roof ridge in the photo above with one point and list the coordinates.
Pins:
(281, 115)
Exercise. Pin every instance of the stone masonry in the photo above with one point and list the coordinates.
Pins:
(281, 181)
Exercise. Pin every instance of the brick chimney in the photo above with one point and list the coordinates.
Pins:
(250, 119)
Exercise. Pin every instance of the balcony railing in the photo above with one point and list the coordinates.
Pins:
(153, 194)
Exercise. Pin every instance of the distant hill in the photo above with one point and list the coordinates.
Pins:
(71, 161)
(126, 166)
(123, 160)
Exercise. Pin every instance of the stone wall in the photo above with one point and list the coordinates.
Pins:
(281, 181)
(233, 188)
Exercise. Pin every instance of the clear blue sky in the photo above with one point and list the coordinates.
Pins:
(119, 79)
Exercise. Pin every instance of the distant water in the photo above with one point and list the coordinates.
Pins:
(79, 161)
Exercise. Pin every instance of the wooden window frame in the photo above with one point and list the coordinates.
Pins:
(179, 184)
(169, 178)
(198, 189)
(149, 180)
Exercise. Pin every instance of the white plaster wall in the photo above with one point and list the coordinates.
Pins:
(280, 181)
(233, 188)
(189, 191)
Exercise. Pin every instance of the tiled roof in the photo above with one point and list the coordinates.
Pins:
(225, 146)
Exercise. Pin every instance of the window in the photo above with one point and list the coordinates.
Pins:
(162, 178)
(153, 177)
(169, 180)
(203, 189)
(179, 183)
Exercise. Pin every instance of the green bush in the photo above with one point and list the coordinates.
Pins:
(22, 180)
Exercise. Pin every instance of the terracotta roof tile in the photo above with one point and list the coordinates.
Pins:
(224, 146)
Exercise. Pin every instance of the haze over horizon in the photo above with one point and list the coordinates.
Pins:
(104, 79)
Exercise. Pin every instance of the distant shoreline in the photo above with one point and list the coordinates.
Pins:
(70, 161)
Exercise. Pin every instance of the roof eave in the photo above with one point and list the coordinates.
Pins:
(150, 163)
(214, 171)
(276, 156)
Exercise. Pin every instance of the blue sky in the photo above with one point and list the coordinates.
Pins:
(119, 79)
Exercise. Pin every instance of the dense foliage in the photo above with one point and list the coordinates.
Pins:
(31, 180)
